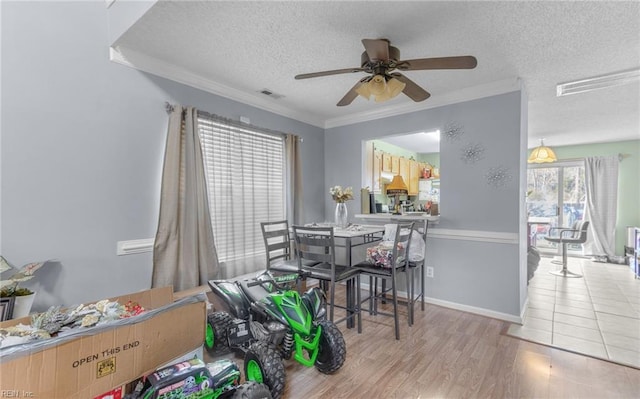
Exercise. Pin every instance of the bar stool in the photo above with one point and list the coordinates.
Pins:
(417, 265)
(317, 245)
(575, 235)
(397, 264)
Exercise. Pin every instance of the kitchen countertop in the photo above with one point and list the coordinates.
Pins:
(390, 216)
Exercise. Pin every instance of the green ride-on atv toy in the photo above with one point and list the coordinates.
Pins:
(267, 323)
(195, 380)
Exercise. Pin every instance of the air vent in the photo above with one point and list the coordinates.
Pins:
(271, 94)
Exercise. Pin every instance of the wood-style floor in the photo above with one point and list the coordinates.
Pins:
(453, 354)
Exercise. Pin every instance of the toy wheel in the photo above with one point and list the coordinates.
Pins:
(333, 350)
(252, 390)
(262, 364)
(215, 338)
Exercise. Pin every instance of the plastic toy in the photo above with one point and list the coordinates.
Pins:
(195, 380)
(267, 322)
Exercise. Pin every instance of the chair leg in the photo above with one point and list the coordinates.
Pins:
(371, 292)
(349, 308)
(358, 304)
(422, 287)
(333, 300)
(410, 294)
(395, 305)
(384, 290)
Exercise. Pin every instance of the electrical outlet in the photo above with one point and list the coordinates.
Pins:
(430, 271)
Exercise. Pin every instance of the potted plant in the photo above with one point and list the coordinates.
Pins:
(9, 287)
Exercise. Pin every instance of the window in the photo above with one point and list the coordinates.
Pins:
(245, 172)
(556, 197)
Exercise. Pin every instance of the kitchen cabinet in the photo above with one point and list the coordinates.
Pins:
(368, 165)
(403, 170)
(386, 162)
(395, 165)
(415, 171)
(377, 168)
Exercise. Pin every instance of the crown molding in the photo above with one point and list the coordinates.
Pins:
(458, 96)
(154, 66)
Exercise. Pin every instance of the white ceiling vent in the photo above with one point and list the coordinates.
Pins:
(271, 94)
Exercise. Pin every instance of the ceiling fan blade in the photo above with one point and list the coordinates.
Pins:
(461, 62)
(377, 49)
(327, 73)
(351, 94)
(411, 89)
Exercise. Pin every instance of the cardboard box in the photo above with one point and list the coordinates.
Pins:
(113, 394)
(89, 362)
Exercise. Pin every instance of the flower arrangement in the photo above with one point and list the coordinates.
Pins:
(341, 195)
(10, 287)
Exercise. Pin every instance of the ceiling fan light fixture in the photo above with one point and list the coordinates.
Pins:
(364, 90)
(378, 85)
(395, 87)
(381, 89)
(542, 154)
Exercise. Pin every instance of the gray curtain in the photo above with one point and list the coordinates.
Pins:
(184, 254)
(294, 179)
(601, 181)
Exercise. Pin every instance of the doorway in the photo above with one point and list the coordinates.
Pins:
(555, 198)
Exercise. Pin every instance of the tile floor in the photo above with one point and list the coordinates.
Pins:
(597, 315)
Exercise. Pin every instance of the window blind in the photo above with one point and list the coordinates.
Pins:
(245, 172)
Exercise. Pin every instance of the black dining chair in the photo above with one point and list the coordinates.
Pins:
(278, 244)
(574, 235)
(396, 265)
(317, 244)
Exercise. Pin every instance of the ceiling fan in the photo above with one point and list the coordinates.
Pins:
(380, 59)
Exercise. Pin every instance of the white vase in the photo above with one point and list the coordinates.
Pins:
(341, 216)
(22, 305)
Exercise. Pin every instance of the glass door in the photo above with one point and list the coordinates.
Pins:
(542, 205)
(555, 198)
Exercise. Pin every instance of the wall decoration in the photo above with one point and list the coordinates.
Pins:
(498, 176)
(6, 308)
(452, 132)
(472, 153)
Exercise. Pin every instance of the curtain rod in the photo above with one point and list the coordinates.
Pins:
(169, 108)
(623, 156)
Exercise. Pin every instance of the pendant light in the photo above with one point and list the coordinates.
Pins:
(397, 187)
(542, 154)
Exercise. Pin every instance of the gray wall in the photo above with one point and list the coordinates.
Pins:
(478, 274)
(82, 148)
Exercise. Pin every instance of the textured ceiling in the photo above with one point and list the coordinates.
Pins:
(250, 46)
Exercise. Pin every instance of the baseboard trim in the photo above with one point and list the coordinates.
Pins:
(523, 313)
(465, 308)
(475, 310)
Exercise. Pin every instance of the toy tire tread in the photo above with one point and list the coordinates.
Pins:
(333, 349)
(252, 390)
(271, 366)
(220, 323)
